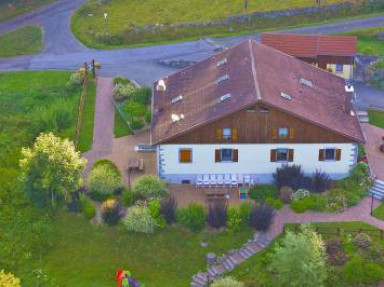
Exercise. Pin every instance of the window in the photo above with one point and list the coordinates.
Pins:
(329, 154)
(282, 155)
(227, 133)
(283, 133)
(185, 155)
(339, 68)
(226, 155)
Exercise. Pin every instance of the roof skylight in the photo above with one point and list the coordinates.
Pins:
(177, 117)
(306, 82)
(177, 99)
(221, 62)
(286, 96)
(223, 78)
(225, 97)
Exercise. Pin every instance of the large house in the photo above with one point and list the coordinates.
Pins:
(333, 53)
(250, 110)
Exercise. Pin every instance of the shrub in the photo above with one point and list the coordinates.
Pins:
(261, 217)
(245, 213)
(302, 205)
(142, 95)
(9, 280)
(103, 182)
(122, 92)
(217, 215)
(130, 197)
(111, 211)
(168, 209)
(227, 282)
(262, 191)
(319, 203)
(299, 195)
(320, 181)
(357, 272)
(87, 208)
(337, 200)
(276, 203)
(285, 194)
(292, 176)
(76, 79)
(233, 219)
(139, 219)
(137, 123)
(192, 217)
(148, 116)
(150, 187)
(335, 251)
(362, 241)
(121, 80)
(154, 207)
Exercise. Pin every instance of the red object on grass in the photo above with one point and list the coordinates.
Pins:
(119, 277)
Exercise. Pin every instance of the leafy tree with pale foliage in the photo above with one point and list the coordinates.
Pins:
(227, 282)
(300, 259)
(150, 187)
(9, 280)
(51, 169)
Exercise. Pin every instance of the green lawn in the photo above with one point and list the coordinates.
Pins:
(376, 118)
(124, 16)
(379, 212)
(85, 255)
(253, 272)
(369, 42)
(121, 129)
(13, 8)
(24, 41)
(86, 130)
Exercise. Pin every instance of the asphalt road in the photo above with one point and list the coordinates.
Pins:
(62, 51)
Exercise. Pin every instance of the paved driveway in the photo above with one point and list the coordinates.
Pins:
(373, 136)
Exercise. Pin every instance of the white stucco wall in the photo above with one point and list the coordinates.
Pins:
(254, 159)
(347, 71)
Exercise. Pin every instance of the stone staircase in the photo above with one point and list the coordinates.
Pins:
(378, 189)
(230, 260)
(363, 116)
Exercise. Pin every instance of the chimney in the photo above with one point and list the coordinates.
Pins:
(161, 87)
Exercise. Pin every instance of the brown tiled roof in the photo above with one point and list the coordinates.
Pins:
(257, 73)
(311, 46)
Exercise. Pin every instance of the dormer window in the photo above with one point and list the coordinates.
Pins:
(222, 78)
(286, 96)
(177, 99)
(221, 62)
(306, 82)
(225, 97)
(227, 133)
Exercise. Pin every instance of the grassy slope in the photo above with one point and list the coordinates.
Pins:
(123, 15)
(254, 272)
(376, 118)
(368, 41)
(24, 41)
(379, 212)
(84, 253)
(121, 129)
(86, 131)
(10, 9)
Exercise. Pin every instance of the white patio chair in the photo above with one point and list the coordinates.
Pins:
(206, 181)
(247, 180)
(199, 181)
(220, 180)
(234, 182)
(240, 179)
(252, 182)
(213, 180)
(227, 180)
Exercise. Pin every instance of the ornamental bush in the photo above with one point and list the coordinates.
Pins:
(245, 213)
(76, 79)
(263, 191)
(217, 215)
(276, 203)
(122, 92)
(233, 219)
(285, 194)
(320, 181)
(292, 176)
(168, 209)
(337, 200)
(139, 219)
(130, 197)
(227, 282)
(357, 272)
(111, 211)
(103, 181)
(9, 280)
(261, 217)
(192, 217)
(150, 187)
(300, 194)
(154, 207)
(87, 208)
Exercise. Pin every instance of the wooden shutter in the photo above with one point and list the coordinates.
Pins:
(219, 134)
(234, 134)
(321, 155)
(274, 133)
(273, 155)
(217, 155)
(338, 154)
(235, 155)
(290, 155)
(185, 156)
(291, 133)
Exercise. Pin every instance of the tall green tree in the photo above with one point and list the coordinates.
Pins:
(51, 169)
(300, 259)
